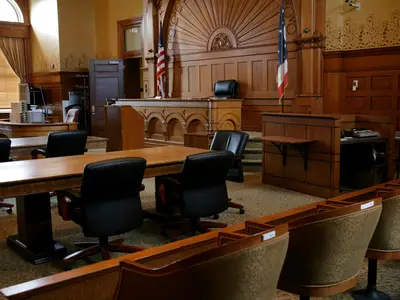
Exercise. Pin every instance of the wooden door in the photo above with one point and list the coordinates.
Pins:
(106, 81)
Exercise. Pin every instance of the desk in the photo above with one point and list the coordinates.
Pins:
(321, 178)
(281, 143)
(32, 180)
(16, 130)
(22, 147)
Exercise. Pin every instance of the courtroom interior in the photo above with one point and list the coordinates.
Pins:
(199, 149)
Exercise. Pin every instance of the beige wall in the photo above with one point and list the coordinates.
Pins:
(9, 84)
(377, 24)
(45, 37)
(77, 34)
(108, 13)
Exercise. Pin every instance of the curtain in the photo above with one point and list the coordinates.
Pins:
(14, 51)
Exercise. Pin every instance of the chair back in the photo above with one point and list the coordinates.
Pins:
(386, 237)
(242, 269)
(72, 116)
(66, 143)
(329, 248)
(226, 89)
(5, 148)
(203, 179)
(111, 200)
(234, 141)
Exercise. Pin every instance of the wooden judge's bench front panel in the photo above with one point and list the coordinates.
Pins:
(167, 120)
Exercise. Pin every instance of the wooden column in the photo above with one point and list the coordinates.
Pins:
(150, 47)
(310, 58)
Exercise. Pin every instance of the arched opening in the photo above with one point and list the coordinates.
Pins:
(155, 129)
(196, 126)
(227, 125)
(10, 12)
(175, 131)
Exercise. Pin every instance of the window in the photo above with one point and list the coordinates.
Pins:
(10, 11)
(9, 83)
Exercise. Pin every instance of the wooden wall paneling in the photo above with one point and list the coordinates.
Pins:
(377, 72)
(239, 42)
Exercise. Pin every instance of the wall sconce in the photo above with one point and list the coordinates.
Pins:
(353, 3)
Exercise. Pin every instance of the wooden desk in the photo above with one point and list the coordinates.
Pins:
(22, 147)
(32, 180)
(16, 130)
(321, 178)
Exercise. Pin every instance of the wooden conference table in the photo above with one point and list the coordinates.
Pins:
(32, 180)
(22, 147)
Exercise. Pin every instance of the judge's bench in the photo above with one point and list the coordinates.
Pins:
(166, 121)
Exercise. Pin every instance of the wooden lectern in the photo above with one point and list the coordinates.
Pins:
(124, 128)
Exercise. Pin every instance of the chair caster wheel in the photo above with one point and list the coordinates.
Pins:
(241, 211)
(216, 217)
(9, 210)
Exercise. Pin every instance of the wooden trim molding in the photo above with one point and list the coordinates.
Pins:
(122, 26)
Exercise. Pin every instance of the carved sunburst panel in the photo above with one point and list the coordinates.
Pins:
(194, 23)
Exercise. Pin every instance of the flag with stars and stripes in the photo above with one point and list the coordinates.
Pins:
(283, 77)
(161, 65)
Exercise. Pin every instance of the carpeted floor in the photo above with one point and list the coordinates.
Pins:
(259, 200)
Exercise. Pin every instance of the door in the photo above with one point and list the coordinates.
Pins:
(106, 81)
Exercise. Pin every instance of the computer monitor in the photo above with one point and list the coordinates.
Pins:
(36, 96)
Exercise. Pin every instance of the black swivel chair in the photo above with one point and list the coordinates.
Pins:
(5, 148)
(108, 204)
(65, 143)
(200, 190)
(226, 89)
(236, 142)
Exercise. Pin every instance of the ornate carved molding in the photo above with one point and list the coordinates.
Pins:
(193, 24)
(221, 42)
(372, 33)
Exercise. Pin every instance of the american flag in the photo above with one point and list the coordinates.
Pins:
(283, 76)
(161, 65)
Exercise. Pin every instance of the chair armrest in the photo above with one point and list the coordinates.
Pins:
(36, 152)
(68, 204)
(172, 180)
(73, 195)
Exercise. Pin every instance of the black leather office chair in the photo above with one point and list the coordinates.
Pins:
(5, 149)
(226, 89)
(200, 189)
(236, 142)
(108, 204)
(65, 143)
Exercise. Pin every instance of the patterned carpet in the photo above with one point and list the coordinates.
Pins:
(259, 200)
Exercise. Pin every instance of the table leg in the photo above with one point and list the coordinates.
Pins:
(163, 212)
(34, 241)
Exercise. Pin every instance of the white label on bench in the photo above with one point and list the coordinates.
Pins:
(367, 205)
(269, 235)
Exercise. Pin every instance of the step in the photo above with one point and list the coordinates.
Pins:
(252, 166)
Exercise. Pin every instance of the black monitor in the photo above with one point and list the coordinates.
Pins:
(36, 96)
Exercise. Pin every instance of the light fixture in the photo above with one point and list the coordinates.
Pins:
(353, 3)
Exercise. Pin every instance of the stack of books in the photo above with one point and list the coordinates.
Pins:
(19, 112)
